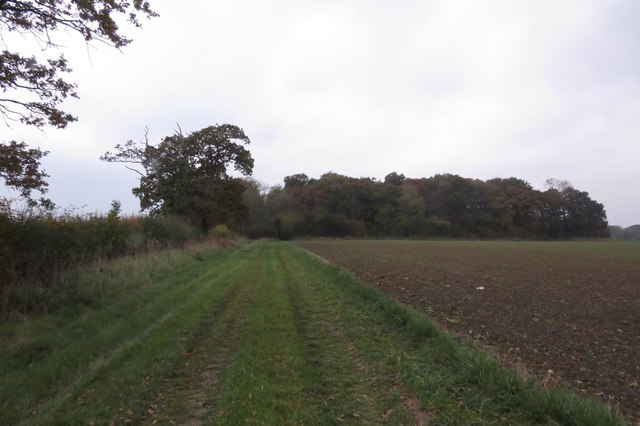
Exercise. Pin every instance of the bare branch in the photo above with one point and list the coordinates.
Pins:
(132, 169)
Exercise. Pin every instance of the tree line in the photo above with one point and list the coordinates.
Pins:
(444, 205)
(629, 233)
(187, 175)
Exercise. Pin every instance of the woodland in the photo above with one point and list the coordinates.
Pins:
(444, 205)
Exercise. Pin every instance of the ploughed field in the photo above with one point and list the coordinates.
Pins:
(568, 312)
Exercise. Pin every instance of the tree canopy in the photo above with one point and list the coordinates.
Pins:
(31, 83)
(443, 205)
(189, 176)
(32, 88)
(20, 169)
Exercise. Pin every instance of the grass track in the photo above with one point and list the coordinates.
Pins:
(266, 334)
(88, 365)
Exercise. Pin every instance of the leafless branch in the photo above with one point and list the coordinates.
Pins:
(132, 169)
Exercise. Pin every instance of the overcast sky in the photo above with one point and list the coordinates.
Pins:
(533, 89)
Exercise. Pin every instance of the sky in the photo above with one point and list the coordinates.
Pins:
(481, 88)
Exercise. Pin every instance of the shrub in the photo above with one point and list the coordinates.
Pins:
(167, 230)
(221, 231)
(35, 249)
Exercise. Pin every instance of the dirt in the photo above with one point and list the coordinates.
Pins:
(567, 314)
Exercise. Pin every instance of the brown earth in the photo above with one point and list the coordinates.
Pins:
(567, 312)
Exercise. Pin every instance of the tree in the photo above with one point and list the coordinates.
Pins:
(188, 175)
(255, 198)
(523, 204)
(20, 169)
(584, 216)
(394, 178)
(32, 88)
(297, 180)
(31, 85)
(630, 233)
(569, 213)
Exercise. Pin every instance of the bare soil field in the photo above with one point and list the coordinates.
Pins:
(568, 312)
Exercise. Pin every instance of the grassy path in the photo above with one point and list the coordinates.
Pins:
(266, 334)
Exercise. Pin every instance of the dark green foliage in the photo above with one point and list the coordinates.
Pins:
(31, 84)
(632, 233)
(296, 180)
(188, 176)
(394, 178)
(21, 75)
(167, 230)
(35, 249)
(440, 206)
(258, 223)
(20, 170)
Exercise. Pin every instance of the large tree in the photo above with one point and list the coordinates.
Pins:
(32, 88)
(188, 175)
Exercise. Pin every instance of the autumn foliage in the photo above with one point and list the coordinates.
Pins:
(443, 205)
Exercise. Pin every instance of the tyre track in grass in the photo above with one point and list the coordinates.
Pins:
(186, 295)
(267, 380)
(275, 349)
(327, 350)
(366, 390)
(185, 396)
(294, 364)
(281, 354)
(198, 398)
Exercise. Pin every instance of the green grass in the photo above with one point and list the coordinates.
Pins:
(82, 361)
(264, 334)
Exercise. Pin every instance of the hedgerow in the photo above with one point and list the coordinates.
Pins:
(36, 248)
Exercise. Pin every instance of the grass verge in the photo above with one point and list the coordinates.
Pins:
(455, 384)
(85, 361)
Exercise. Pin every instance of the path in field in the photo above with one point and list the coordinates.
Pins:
(144, 328)
(275, 350)
(295, 341)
